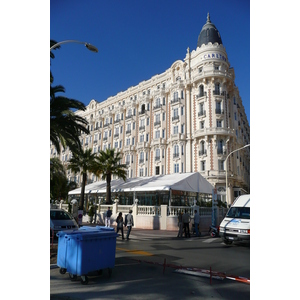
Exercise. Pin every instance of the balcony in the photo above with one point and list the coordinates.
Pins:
(105, 138)
(141, 160)
(95, 141)
(175, 155)
(175, 118)
(219, 111)
(157, 158)
(157, 106)
(176, 100)
(128, 131)
(202, 152)
(213, 131)
(157, 123)
(201, 95)
(142, 128)
(216, 93)
(116, 135)
(202, 113)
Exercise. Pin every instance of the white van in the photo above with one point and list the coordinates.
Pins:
(236, 224)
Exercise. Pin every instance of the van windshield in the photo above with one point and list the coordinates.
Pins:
(239, 212)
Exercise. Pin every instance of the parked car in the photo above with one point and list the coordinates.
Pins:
(61, 220)
(236, 224)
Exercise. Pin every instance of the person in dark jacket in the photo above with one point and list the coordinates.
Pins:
(186, 219)
(120, 224)
(107, 218)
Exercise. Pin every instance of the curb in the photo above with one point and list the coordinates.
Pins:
(53, 266)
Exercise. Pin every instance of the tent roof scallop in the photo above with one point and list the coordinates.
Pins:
(190, 182)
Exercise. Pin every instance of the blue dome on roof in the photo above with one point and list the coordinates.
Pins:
(209, 34)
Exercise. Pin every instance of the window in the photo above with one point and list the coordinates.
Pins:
(163, 133)
(157, 170)
(157, 134)
(148, 121)
(141, 172)
(176, 151)
(217, 89)
(202, 125)
(127, 159)
(127, 141)
(147, 137)
(221, 165)
(219, 123)
(116, 145)
(182, 110)
(175, 95)
(120, 145)
(175, 112)
(176, 168)
(141, 157)
(200, 70)
(157, 154)
(182, 128)
(133, 141)
(164, 116)
(175, 130)
(141, 138)
(203, 165)
(220, 146)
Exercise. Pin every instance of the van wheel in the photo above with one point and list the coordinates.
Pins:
(227, 242)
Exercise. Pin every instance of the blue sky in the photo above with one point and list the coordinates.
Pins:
(139, 39)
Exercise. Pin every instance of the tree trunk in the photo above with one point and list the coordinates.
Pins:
(80, 206)
(108, 189)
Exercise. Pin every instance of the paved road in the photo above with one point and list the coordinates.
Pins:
(147, 266)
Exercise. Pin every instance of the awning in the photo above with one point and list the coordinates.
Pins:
(189, 182)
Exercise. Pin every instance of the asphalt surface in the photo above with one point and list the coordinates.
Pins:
(141, 275)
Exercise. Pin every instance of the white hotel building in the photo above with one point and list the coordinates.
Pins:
(187, 119)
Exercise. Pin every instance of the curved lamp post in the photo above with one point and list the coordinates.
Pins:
(89, 46)
(226, 169)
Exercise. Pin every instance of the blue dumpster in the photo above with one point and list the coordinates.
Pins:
(83, 251)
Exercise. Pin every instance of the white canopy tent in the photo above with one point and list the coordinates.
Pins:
(189, 182)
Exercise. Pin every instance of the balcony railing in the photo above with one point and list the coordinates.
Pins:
(219, 111)
(201, 95)
(202, 113)
(175, 155)
(216, 93)
(128, 131)
(175, 118)
(157, 123)
(202, 152)
(142, 128)
(157, 158)
(141, 160)
(175, 100)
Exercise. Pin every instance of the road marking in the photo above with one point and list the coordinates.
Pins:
(211, 240)
(134, 251)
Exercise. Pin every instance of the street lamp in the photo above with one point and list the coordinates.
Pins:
(89, 46)
(226, 169)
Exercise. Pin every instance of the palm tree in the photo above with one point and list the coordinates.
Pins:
(82, 161)
(108, 164)
(58, 179)
(65, 125)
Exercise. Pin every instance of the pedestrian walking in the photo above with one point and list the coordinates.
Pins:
(107, 217)
(120, 224)
(196, 221)
(180, 224)
(129, 223)
(186, 219)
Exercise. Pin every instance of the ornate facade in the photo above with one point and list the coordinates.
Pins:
(187, 119)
